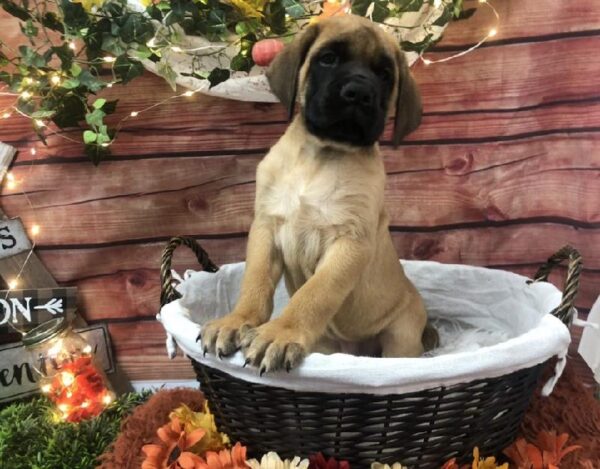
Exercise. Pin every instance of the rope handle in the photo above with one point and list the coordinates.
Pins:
(167, 290)
(564, 311)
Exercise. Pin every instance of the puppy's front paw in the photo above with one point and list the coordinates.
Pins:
(222, 336)
(273, 346)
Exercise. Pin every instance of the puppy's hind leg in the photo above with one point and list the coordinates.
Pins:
(404, 336)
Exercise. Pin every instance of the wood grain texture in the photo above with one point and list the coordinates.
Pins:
(504, 170)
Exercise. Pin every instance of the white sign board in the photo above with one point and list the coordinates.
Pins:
(13, 238)
(18, 378)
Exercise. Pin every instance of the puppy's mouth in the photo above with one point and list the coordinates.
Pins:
(351, 125)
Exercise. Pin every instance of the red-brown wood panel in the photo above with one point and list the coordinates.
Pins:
(504, 170)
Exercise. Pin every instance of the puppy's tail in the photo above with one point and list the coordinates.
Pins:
(430, 338)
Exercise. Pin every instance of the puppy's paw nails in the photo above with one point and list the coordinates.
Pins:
(294, 354)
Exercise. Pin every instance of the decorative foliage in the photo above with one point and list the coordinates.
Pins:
(396, 465)
(546, 453)
(74, 50)
(225, 459)
(174, 450)
(30, 436)
(212, 440)
(318, 461)
(478, 463)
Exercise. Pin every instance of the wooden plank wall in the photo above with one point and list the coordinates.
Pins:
(503, 171)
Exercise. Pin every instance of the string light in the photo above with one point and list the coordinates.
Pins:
(109, 85)
(85, 404)
(55, 80)
(26, 95)
(72, 45)
(33, 151)
(14, 283)
(67, 378)
(109, 59)
(107, 399)
(35, 230)
(39, 123)
(134, 113)
(11, 182)
(176, 49)
(188, 93)
(87, 349)
(46, 388)
(6, 115)
(491, 33)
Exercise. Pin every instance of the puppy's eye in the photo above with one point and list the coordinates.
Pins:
(386, 74)
(328, 59)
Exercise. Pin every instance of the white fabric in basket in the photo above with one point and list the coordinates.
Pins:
(491, 323)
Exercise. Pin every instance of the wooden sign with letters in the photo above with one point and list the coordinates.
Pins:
(24, 309)
(18, 378)
(13, 238)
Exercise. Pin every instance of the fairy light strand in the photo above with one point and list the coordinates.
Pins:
(491, 33)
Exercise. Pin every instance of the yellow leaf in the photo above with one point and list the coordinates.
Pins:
(249, 8)
(205, 420)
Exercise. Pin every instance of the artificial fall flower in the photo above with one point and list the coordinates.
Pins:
(225, 459)
(332, 8)
(213, 440)
(272, 460)
(546, 453)
(318, 461)
(487, 463)
(396, 465)
(173, 452)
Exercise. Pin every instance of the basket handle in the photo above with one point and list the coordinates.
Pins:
(564, 310)
(167, 290)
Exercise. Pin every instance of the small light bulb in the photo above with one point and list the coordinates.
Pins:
(87, 349)
(33, 151)
(109, 59)
(426, 61)
(134, 114)
(63, 408)
(109, 85)
(104, 145)
(25, 95)
(85, 404)
(6, 115)
(151, 43)
(482, 1)
(69, 394)
(46, 388)
(188, 93)
(39, 123)
(437, 3)
(14, 283)
(55, 80)
(176, 49)
(72, 45)
(492, 32)
(107, 399)
(35, 230)
(27, 80)
(67, 378)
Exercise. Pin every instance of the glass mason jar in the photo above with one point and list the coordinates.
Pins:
(69, 374)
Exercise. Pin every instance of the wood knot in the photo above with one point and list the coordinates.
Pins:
(461, 165)
(427, 249)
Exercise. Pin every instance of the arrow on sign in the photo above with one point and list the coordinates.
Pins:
(54, 306)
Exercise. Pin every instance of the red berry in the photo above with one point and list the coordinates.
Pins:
(265, 50)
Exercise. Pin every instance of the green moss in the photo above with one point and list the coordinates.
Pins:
(30, 439)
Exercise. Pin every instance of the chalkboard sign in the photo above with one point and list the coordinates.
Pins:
(13, 238)
(22, 310)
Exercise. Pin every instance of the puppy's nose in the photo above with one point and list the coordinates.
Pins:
(356, 92)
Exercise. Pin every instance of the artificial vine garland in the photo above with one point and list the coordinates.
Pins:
(75, 49)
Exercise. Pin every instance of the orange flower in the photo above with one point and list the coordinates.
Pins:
(172, 453)
(546, 453)
(332, 8)
(225, 459)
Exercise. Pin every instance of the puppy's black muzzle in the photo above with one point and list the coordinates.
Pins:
(347, 105)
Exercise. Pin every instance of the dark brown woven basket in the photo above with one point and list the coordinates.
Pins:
(421, 429)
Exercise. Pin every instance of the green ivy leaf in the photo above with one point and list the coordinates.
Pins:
(75, 17)
(69, 112)
(275, 16)
(137, 28)
(96, 153)
(43, 114)
(127, 69)
(90, 81)
(114, 45)
(167, 72)
(444, 18)
(70, 84)
(218, 75)
(294, 8)
(241, 63)
(89, 136)
(110, 106)
(65, 54)
(99, 103)
(408, 5)
(30, 58)
(95, 117)
(29, 29)
(417, 46)
(75, 70)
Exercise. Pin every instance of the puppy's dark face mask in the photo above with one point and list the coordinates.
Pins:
(347, 96)
(349, 74)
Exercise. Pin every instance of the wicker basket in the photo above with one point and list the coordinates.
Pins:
(421, 429)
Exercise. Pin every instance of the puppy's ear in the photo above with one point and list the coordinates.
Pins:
(283, 71)
(408, 103)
